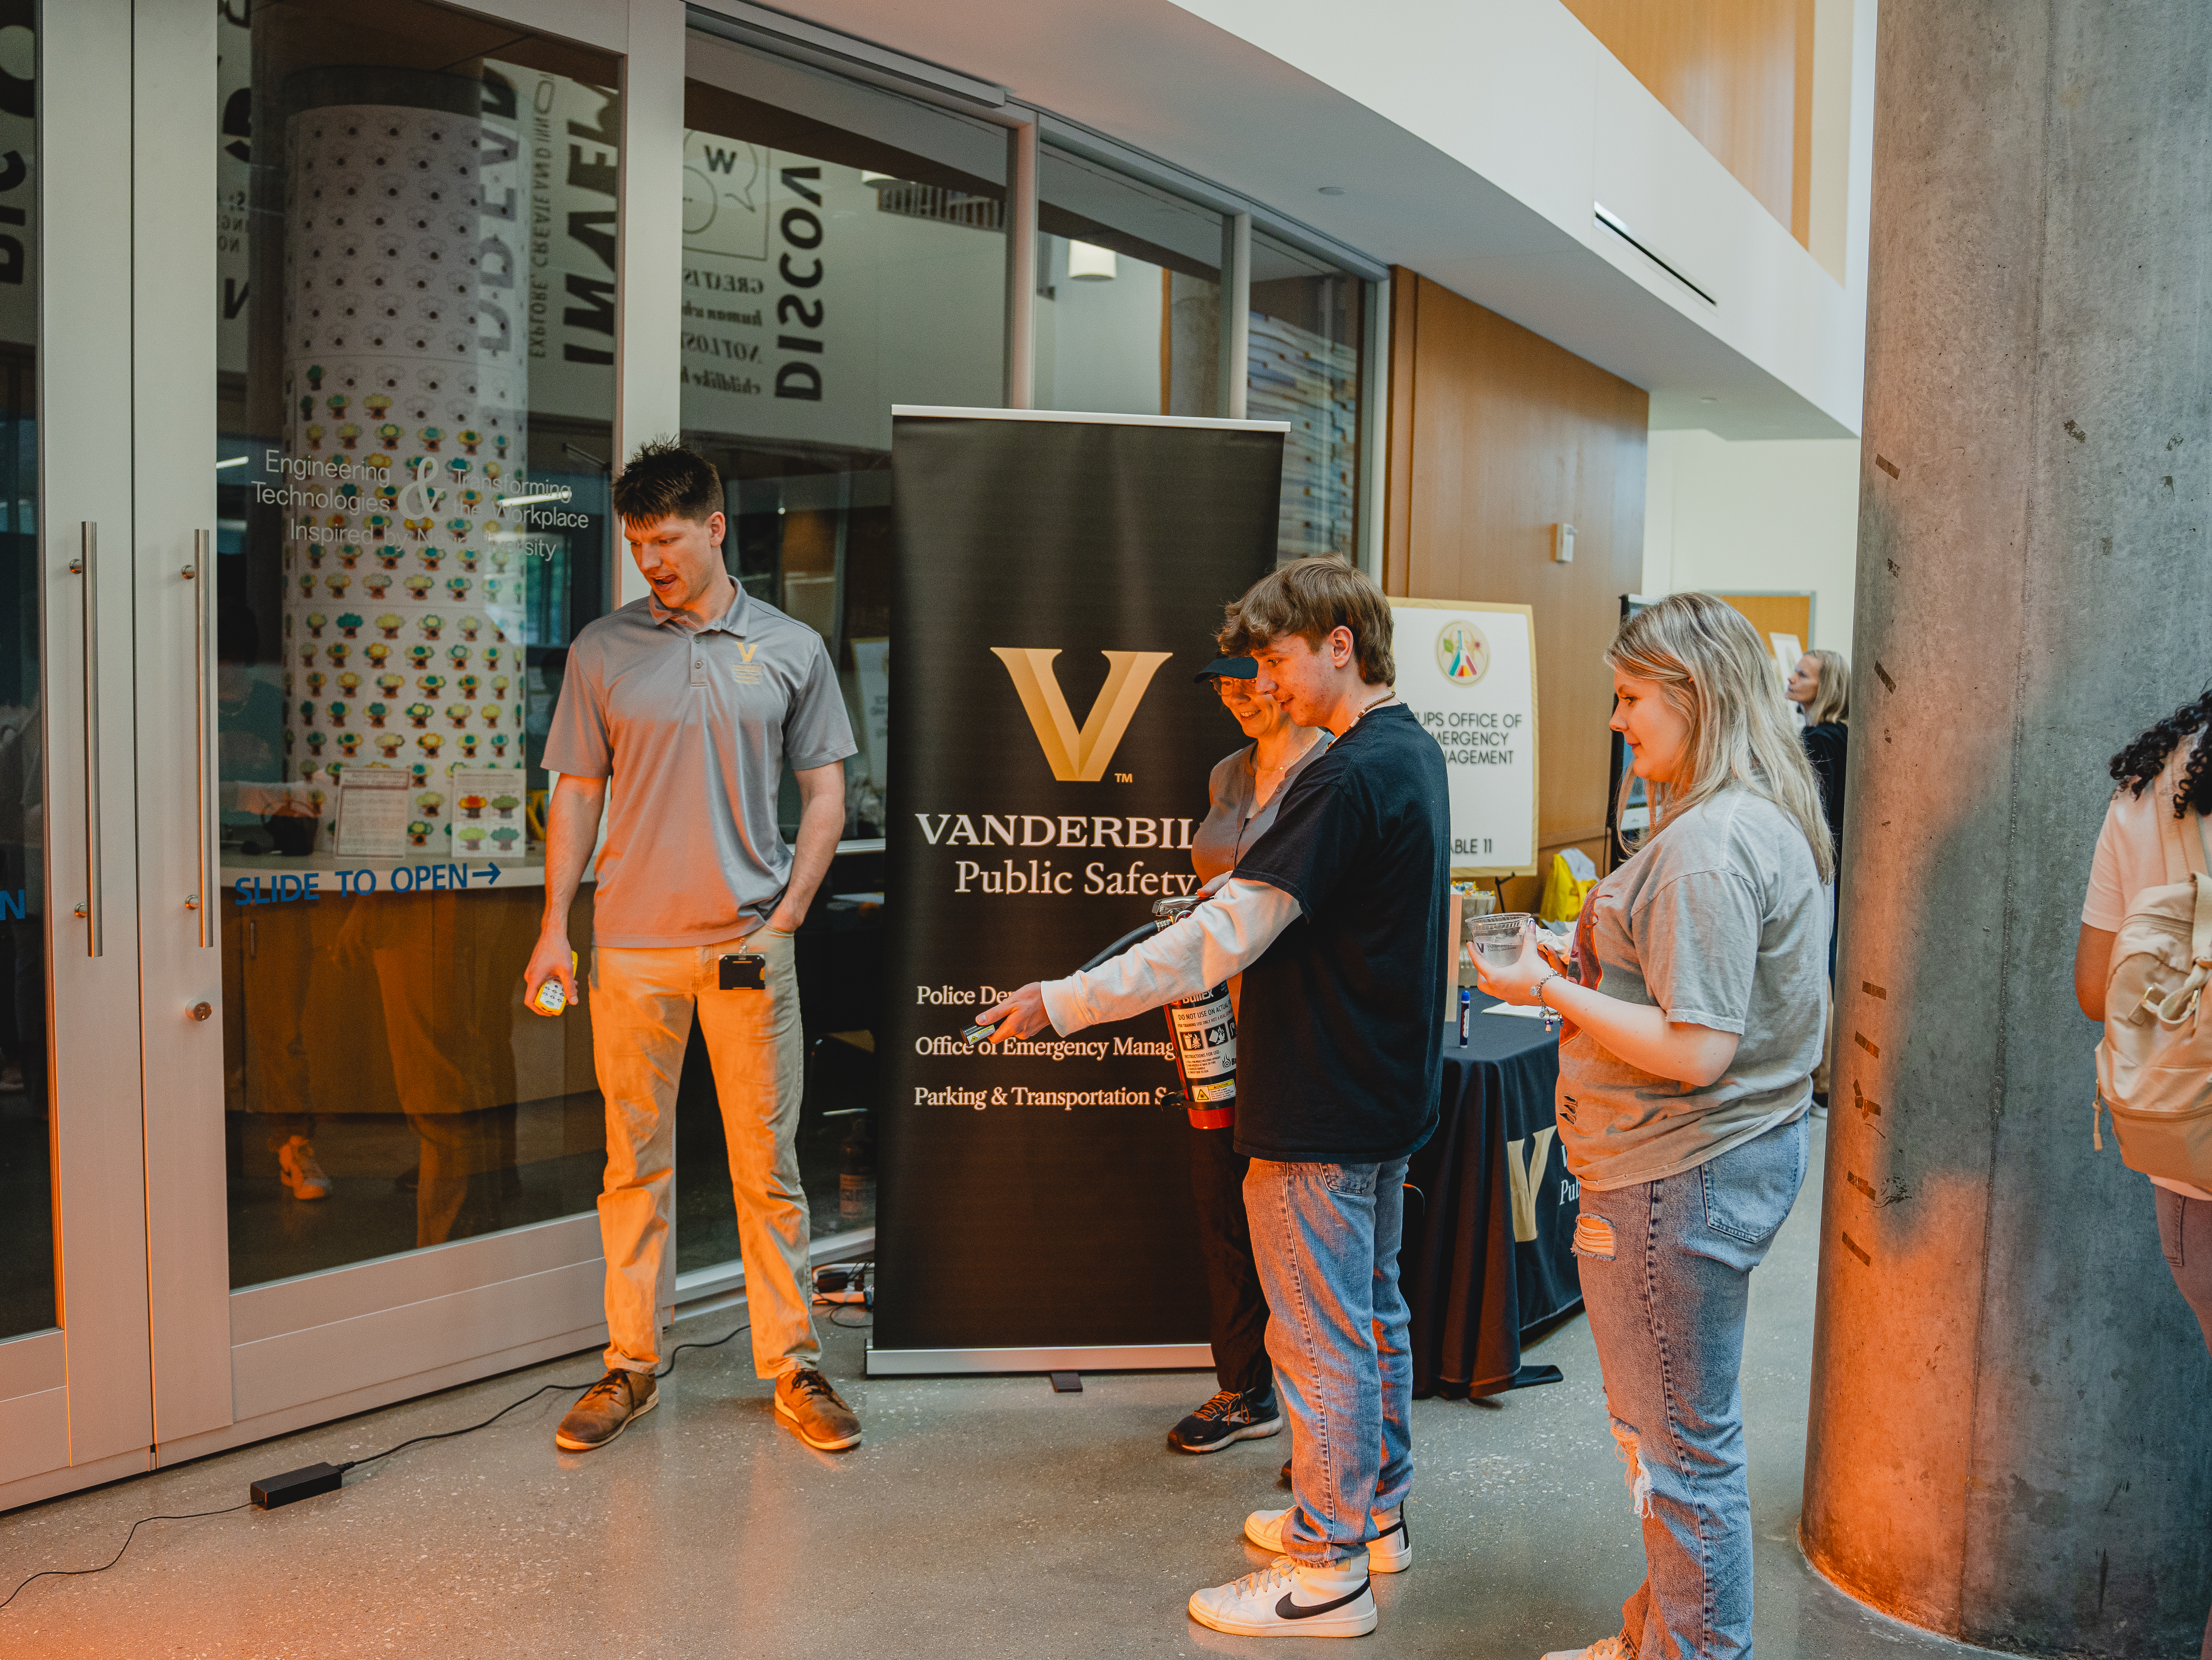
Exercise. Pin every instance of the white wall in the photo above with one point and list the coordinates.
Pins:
(1099, 341)
(1776, 516)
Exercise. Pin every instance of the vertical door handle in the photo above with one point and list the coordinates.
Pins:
(202, 571)
(93, 907)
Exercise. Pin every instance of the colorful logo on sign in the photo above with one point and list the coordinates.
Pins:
(1462, 652)
(1079, 756)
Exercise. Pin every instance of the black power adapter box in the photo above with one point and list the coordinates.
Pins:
(274, 1492)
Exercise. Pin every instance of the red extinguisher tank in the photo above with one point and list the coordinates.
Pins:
(1202, 1034)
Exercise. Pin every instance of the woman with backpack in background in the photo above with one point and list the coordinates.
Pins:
(1695, 1001)
(2154, 837)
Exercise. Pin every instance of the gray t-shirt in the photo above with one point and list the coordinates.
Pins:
(1720, 920)
(693, 725)
(1232, 823)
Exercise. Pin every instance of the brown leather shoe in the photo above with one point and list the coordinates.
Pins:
(805, 1400)
(606, 1410)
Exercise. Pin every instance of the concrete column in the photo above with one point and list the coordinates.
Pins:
(2011, 1415)
(1021, 264)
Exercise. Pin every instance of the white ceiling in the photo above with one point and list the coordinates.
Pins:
(1156, 77)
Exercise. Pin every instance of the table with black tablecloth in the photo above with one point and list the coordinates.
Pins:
(1491, 1222)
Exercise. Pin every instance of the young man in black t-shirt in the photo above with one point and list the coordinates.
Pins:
(1337, 920)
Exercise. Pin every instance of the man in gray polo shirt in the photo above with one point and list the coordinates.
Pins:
(677, 714)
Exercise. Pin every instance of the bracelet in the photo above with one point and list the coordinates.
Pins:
(1538, 991)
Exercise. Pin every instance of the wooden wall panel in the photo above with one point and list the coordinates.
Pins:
(1496, 436)
(1800, 130)
(1737, 73)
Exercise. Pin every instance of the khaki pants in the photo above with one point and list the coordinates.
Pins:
(641, 1010)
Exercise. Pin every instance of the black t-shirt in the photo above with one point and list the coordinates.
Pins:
(1339, 1048)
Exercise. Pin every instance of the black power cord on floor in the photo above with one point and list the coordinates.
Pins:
(72, 1573)
(325, 1478)
(550, 1388)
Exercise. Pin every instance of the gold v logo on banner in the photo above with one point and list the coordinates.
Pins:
(1525, 1179)
(1079, 757)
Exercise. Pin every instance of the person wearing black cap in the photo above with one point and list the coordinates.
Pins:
(1245, 788)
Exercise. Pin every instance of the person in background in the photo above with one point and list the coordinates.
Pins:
(1337, 919)
(1245, 789)
(1694, 1014)
(2131, 857)
(1820, 687)
(1820, 684)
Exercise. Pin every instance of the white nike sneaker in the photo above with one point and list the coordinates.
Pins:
(1286, 1600)
(1610, 1648)
(1390, 1551)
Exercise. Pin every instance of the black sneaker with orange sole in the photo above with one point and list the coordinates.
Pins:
(1226, 1418)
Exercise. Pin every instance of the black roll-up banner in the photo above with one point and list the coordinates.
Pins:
(1059, 582)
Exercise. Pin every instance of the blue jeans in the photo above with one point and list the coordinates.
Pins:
(1325, 1237)
(1666, 1272)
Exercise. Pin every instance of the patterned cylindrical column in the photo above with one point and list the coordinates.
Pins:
(405, 423)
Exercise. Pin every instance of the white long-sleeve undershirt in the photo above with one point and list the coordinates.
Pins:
(1225, 936)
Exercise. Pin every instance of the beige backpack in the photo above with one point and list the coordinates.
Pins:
(2155, 1064)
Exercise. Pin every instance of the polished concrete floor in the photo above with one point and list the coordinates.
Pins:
(982, 1516)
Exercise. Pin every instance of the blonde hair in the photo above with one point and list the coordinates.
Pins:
(1831, 699)
(1710, 665)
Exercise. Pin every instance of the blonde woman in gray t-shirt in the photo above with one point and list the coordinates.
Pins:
(1695, 1001)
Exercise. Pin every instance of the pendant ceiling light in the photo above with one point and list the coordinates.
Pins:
(1087, 263)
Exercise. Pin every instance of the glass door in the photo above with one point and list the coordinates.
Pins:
(75, 1387)
(375, 430)
(843, 250)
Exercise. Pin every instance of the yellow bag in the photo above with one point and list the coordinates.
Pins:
(1563, 890)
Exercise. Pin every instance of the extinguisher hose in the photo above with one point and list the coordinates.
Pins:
(1120, 945)
(981, 1034)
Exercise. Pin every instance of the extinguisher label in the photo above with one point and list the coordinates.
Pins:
(1206, 1033)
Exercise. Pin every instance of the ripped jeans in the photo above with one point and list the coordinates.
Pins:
(1666, 1273)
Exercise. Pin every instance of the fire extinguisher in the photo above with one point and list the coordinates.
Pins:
(1202, 1030)
(1202, 1033)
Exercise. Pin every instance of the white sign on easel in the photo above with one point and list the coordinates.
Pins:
(1787, 651)
(1468, 672)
